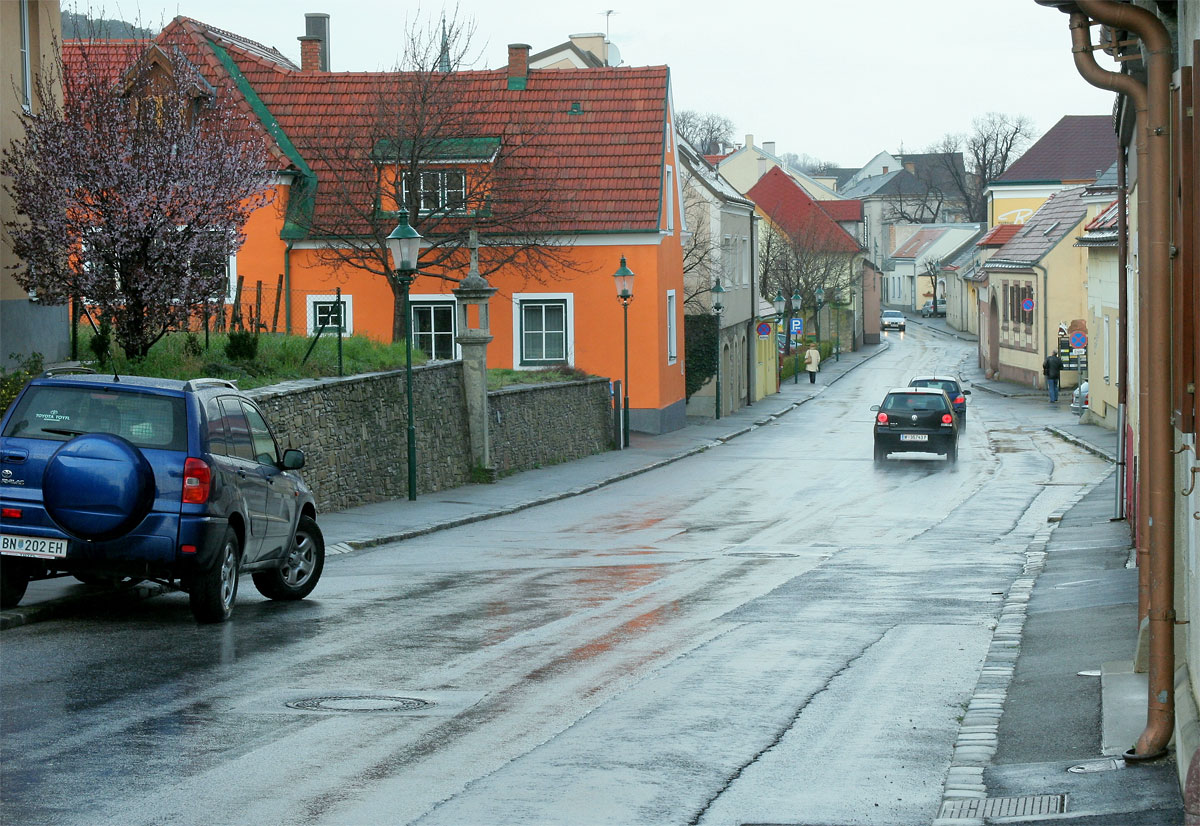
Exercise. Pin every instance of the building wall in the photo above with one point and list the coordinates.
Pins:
(1103, 334)
(354, 430)
(26, 327)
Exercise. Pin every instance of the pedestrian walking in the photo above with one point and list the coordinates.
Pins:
(812, 362)
(1052, 369)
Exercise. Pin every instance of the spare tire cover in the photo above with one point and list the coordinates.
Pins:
(98, 486)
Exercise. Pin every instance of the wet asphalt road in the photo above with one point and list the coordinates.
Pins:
(772, 631)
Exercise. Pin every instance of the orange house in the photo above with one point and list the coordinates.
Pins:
(598, 142)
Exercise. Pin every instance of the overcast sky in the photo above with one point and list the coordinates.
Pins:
(836, 79)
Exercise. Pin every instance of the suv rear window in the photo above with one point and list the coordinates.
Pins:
(61, 413)
(949, 386)
(900, 402)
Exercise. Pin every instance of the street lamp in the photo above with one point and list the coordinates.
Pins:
(405, 246)
(796, 302)
(817, 318)
(718, 293)
(624, 280)
(778, 303)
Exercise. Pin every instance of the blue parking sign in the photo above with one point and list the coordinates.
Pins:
(797, 326)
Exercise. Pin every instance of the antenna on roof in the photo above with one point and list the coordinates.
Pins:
(607, 14)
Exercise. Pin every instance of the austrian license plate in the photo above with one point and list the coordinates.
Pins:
(33, 546)
(914, 437)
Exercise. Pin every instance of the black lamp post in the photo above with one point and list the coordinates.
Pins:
(405, 246)
(718, 293)
(796, 303)
(779, 302)
(820, 294)
(624, 280)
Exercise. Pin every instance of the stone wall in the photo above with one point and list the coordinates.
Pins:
(536, 425)
(354, 430)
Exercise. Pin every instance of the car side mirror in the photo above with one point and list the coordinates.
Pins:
(966, 392)
(293, 459)
(874, 408)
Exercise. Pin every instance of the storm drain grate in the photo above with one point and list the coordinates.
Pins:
(362, 702)
(1039, 804)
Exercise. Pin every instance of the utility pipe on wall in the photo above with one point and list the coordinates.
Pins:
(1155, 443)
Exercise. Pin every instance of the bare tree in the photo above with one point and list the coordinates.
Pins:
(806, 163)
(708, 132)
(702, 251)
(420, 145)
(127, 194)
(996, 140)
(801, 261)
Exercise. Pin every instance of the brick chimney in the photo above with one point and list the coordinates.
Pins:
(518, 65)
(310, 53)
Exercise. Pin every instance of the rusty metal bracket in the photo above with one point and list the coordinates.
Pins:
(1192, 486)
(1183, 449)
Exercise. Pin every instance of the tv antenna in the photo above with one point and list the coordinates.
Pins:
(607, 14)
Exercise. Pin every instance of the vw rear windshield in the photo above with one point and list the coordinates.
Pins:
(62, 413)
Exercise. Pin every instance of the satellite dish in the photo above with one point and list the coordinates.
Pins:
(614, 54)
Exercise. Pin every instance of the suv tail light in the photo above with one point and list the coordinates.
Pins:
(881, 418)
(947, 418)
(197, 481)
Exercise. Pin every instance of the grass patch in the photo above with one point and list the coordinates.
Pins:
(277, 358)
(500, 377)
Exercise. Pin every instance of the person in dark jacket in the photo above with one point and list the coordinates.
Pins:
(1052, 369)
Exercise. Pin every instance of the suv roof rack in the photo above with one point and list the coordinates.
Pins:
(196, 384)
(60, 371)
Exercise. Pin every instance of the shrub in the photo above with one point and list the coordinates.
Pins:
(11, 381)
(101, 342)
(242, 346)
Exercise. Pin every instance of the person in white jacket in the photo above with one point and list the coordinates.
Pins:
(812, 362)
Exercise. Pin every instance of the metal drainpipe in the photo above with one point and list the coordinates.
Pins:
(1045, 311)
(287, 287)
(1157, 465)
(1123, 338)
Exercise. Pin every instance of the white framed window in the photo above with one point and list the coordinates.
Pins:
(443, 190)
(672, 329)
(26, 59)
(231, 278)
(433, 321)
(324, 310)
(544, 330)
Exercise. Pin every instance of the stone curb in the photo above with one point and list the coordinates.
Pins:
(17, 617)
(978, 731)
(1088, 446)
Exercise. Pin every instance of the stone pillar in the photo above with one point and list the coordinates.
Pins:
(474, 290)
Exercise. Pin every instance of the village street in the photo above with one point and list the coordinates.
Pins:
(772, 630)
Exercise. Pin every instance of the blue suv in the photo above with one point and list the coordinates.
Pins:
(125, 478)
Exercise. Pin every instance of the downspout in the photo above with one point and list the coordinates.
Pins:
(1123, 338)
(1156, 464)
(751, 333)
(287, 287)
(1045, 310)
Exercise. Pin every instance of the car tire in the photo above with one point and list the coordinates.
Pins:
(880, 454)
(14, 579)
(301, 568)
(952, 453)
(213, 592)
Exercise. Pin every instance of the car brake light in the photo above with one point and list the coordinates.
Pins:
(881, 418)
(947, 418)
(11, 513)
(197, 481)
(960, 399)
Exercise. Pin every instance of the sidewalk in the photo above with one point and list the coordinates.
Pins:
(393, 521)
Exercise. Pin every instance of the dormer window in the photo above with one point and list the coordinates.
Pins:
(442, 191)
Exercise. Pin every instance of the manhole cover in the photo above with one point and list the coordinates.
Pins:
(361, 702)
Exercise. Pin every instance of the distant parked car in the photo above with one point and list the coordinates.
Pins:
(930, 308)
(128, 478)
(918, 420)
(958, 395)
(892, 320)
(1080, 398)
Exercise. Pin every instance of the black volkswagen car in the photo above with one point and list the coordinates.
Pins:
(915, 420)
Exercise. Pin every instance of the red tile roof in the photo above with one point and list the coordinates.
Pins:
(715, 159)
(605, 161)
(108, 59)
(842, 210)
(998, 235)
(796, 213)
(1107, 219)
(922, 240)
(1077, 149)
